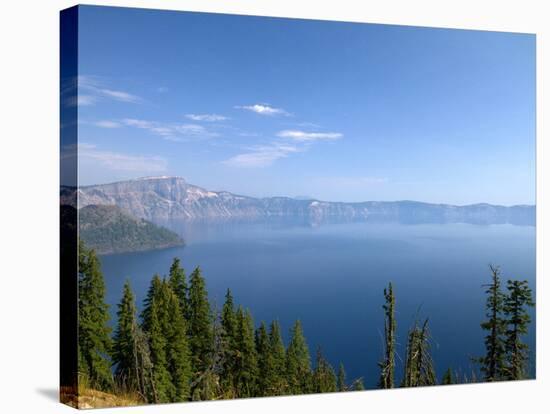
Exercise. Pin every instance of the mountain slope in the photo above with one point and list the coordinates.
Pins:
(165, 198)
(108, 229)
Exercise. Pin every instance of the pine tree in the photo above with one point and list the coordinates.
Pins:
(298, 363)
(517, 319)
(324, 379)
(419, 370)
(200, 335)
(177, 348)
(146, 381)
(154, 322)
(341, 378)
(265, 361)
(164, 323)
(492, 364)
(448, 377)
(178, 284)
(229, 347)
(246, 362)
(123, 351)
(214, 378)
(152, 293)
(387, 365)
(94, 340)
(358, 385)
(278, 383)
(131, 357)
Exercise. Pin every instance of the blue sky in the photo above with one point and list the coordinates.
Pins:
(336, 111)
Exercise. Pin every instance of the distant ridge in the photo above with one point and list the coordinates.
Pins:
(165, 198)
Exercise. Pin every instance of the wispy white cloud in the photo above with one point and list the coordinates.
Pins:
(84, 100)
(264, 109)
(266, 155)
(192, 129)
(107, 124)
(82, 146)
(171, 131)
(91, 91)
(261, 155)
(304, 136)
(206, 117)
(308, 125)
(117, 161)
(119, 95)
(138, 123)
(248, 134)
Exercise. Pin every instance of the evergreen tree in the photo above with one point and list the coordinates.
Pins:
(154, 316)
(448, 377)
(145, 374)
(358, 385)
(214, 378)
(298, 363)
(387, 365)
(278, 383)
(178, 284)
(123, 351)
(164, 323)
(419, 370)
(177, 348)
(229, 347)
(246, 362)
(341, 378)
(265, 361)
(152, 293)
(94, 340)
(517, 319)
(200, 331)
(492, 364)
(131, 357)
(324, 379)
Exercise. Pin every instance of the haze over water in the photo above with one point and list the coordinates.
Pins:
(332, 276)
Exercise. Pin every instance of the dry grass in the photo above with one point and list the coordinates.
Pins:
(97, 399)
(86, 397)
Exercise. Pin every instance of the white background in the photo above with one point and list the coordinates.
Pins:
(29, 140)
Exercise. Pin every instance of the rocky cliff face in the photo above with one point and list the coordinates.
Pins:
(167, 198)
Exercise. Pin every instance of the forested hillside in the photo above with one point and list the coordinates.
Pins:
(108, 229)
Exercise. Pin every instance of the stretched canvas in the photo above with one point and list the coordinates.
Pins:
(256, 206)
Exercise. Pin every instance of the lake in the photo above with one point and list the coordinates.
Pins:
(332, 277)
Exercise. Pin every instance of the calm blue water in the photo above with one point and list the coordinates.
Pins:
(332, 277)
